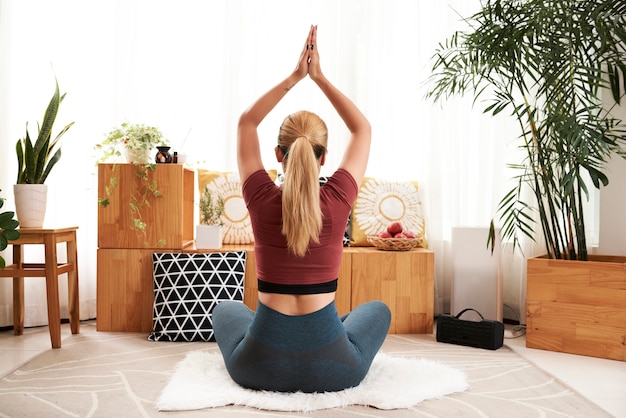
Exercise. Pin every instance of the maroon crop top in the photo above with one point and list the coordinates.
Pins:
(278, 270)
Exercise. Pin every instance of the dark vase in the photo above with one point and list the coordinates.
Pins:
(163, 156)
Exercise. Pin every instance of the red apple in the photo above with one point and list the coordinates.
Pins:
(400, 235)
(384, 234)
(394, 228)
(409, 234)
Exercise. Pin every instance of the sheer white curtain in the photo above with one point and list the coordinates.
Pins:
(191, 67)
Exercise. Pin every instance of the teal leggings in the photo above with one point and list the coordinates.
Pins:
(317, 352)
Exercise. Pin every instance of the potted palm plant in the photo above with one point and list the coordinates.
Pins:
(549, 63)
(209, 231)
(8, 230)
(35, 161)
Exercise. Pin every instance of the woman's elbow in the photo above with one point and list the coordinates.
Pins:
(244, 120)
(364, 131)
(362, 127)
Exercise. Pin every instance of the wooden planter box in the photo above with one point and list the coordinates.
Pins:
(577, 307)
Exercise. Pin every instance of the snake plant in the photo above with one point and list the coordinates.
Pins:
(36, 160)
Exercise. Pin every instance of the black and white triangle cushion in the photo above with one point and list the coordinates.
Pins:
(187, 286)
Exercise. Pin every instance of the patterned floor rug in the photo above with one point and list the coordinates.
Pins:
(98, 374)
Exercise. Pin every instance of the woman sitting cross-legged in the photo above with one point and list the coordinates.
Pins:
(296, 341)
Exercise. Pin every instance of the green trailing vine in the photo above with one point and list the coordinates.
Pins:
(139, 200)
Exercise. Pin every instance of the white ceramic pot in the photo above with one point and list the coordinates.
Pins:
(30, 204)
(208, 237)
(140, 156)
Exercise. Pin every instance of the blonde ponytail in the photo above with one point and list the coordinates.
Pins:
(303, 139)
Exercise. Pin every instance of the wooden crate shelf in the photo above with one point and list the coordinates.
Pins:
(404, 280)
(169, 218)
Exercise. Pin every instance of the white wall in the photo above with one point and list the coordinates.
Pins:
(612, 240)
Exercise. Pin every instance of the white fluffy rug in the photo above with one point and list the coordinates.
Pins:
(201, 381)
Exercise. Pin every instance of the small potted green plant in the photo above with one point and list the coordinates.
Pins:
(8, 230)
(209, 231)
(133, 141)
(34, 163)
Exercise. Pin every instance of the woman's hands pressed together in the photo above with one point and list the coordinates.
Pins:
(309, 61)
(315, 71)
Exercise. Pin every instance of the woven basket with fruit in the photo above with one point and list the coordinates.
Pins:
(395, 238)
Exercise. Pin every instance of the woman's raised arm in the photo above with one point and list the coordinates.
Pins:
(248, 148)
(357, 152)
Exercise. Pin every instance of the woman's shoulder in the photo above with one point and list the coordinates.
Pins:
(257, 184)
(344, 177)
(258, 176)
(341, 184)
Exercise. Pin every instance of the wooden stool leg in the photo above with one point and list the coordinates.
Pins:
(18, 305)
(52, 290)
(18, 293)
(72, 285)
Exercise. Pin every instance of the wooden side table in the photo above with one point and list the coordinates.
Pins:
(51, 270)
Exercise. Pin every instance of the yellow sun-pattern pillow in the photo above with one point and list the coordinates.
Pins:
(381, 202)
(237, 226)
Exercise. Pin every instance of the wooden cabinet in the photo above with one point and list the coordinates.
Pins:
(168, 218)
(124, 271)
(404, 280)
(124, 290)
